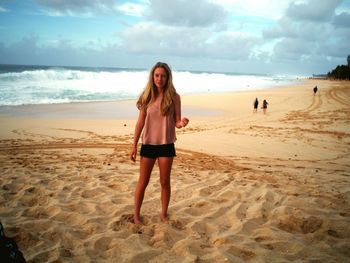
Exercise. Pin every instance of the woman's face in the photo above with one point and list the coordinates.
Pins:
(160, 77)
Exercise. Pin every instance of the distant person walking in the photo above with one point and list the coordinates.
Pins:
(256, 104)
(264, 106)
(315, 90)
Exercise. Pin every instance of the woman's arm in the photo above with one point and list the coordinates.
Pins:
(179, 123)
(138, 129)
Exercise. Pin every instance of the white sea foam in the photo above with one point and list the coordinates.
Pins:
(64, 85)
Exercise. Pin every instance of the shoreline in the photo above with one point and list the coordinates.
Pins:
(116, 109)
(112, 110)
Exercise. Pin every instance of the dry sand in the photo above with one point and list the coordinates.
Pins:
(246, 187)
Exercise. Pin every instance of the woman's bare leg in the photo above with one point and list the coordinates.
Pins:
(165, 164)
(146, 166)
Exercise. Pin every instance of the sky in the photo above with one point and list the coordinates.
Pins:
(241, 36)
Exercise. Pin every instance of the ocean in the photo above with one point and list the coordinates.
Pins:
(28, 85)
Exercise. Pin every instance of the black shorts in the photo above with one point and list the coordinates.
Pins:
(155, 151)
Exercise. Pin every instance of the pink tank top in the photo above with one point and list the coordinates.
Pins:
(159, 129)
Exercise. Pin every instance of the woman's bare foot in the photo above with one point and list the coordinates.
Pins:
(137, 220)
(164, 218)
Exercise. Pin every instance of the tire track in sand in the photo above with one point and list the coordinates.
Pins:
(304, 114)
(340, 95)
(59, 146)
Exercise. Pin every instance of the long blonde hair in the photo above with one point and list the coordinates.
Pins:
(150, 93)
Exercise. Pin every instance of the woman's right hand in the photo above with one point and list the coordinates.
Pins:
(133, 154)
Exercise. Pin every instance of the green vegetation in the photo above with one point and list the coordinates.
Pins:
(341, 72)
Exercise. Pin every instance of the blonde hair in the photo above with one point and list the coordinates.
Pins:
(150, 93)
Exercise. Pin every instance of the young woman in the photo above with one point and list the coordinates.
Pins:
(160, 113)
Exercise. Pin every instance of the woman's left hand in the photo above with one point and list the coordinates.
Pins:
(184, 122)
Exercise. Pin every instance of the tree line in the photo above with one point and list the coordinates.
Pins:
(341, 71)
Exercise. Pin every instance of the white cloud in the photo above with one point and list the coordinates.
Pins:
(233, 46)
(342, 20)
(270, 9)
(292, 49)
(310, 30)
(312, 10)
(307, 30)
(148, 37)
(77, 7)
(3, 10)
(203, 34)
(132, 9)
(190, 42)
(186, 13)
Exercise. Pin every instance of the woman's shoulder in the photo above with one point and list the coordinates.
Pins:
(177, 96)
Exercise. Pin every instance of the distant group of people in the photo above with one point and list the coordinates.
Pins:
(264, 105)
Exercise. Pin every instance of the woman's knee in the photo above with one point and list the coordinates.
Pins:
(165, 164)
(143, 184)
(165, 183)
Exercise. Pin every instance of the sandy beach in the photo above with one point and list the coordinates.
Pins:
(246, 187)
